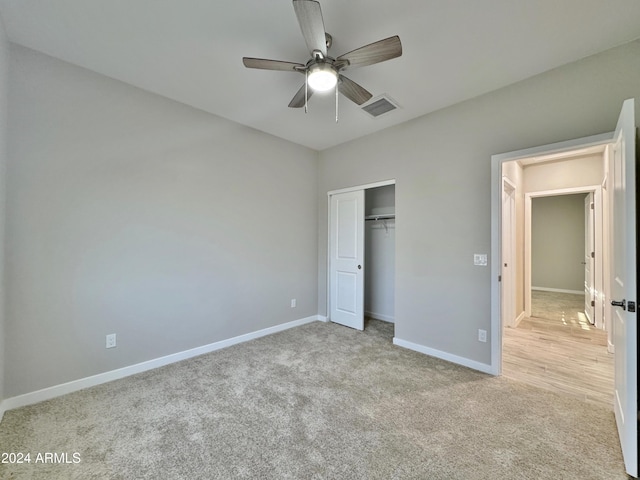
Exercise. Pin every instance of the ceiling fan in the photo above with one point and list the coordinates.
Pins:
(322, 72)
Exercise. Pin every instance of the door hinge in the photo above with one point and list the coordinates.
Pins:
(593, 254)
(631, 307)
(593, 303)
(592, 207)
(499, 278)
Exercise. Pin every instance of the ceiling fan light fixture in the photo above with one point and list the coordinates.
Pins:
(322, 77)
(322, 72)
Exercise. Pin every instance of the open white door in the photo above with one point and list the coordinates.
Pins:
(589, 259)
(346, 255)
(623, 286)
(508, 253)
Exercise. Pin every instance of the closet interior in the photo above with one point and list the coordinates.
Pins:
(380, 246)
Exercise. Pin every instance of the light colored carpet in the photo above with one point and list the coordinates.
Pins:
(319, 401)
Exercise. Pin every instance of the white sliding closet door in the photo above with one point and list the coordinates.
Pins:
(346, 259)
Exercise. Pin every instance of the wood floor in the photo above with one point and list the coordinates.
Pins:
(557, 349)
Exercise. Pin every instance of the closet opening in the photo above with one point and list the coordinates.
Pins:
(361, 279)
(380, 253)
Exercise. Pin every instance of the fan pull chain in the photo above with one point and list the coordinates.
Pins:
(306, 86)
(337, 101)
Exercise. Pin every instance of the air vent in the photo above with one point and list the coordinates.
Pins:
(380, 106)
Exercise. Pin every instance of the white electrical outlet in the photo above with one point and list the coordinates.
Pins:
(482, 335)
(111, 340)
(293, 303)
(480, 259)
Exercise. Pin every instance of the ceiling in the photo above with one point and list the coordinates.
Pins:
(191, 51)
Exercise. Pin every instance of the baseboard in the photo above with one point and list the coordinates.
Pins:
(465, 362)
(380, 316)
(558, 290)
(519, 319)
(322, 318)
(75, 385)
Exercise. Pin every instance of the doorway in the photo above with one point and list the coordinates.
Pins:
(510, 165)
(564, 247)
(620, 183)
(554, 344)
(379, 253)
(361, 263)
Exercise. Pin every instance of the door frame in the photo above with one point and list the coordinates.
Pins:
(382, 183)
(496, 213)
(598, 226)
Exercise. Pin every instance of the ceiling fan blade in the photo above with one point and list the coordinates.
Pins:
(311, 23)
(265, 64)
(298, 99)
(353, 91)
(373, 53)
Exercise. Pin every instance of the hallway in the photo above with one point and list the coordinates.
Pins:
(557, 349)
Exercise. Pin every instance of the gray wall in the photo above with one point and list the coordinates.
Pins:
(4, 76)
(132, 214)
(442, 164)
(557, 242)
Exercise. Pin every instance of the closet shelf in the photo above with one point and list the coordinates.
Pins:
(386, 216)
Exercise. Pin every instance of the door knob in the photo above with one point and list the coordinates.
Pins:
(622, 304)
